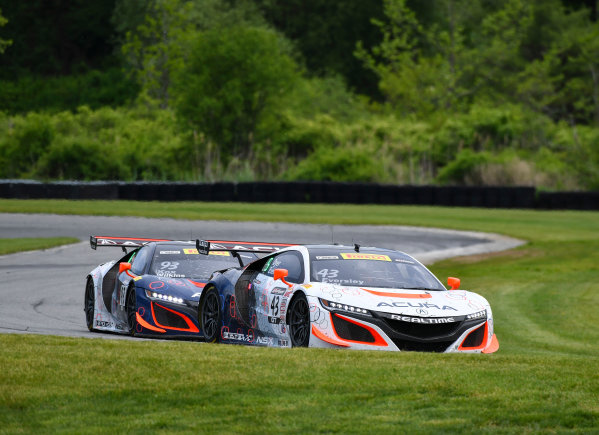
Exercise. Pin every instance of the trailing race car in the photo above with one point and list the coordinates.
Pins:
(333, 296)
(154, 289)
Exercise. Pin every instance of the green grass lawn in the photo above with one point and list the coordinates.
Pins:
(543, 379)
(10, 246)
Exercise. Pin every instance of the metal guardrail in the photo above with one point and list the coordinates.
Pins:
(305, 192)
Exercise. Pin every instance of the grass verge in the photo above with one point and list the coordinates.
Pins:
(543, 379)
(11, 246)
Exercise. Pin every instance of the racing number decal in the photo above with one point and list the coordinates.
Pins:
(274, 306)
(123, 295)
(326, 274)
(169, 265)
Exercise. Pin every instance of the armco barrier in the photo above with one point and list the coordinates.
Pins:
(305, 192)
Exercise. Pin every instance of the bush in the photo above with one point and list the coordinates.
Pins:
(338, 164)
(93, 88)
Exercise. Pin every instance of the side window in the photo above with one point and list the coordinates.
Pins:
(292, 261)
(140, 260)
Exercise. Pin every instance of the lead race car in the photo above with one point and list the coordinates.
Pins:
(154, 289)
(333, 296)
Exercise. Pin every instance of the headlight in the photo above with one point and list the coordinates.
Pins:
(166, 298)
(480, 315)
(337, 306)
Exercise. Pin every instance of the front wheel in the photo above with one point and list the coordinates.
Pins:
(299, 321)
(89, 304)
(210, 315)
(131, 308)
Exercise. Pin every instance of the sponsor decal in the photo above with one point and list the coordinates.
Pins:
(103, 324)
(190, 251)
(236, 336)
(415, 305)
(274, 320)
(327, 257)
(220, 253)
(360, 256)
(168, 274)
(284, 343)
(137, 278)
(424, 320)
(169, 252)
(196, 295)
(278, 291)
(269, 341)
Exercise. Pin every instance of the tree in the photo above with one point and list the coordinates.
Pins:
(422, 69)
(156, 46)
(3, 42)
(234, 77)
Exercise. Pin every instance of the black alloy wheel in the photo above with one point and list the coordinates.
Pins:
(210, 315)
(299, 321)
(131, 308)
(88, 304)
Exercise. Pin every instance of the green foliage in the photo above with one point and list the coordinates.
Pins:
(4, 43)
(158, 38)
(107, 144)
(341, 164)
(234, 78)
(93, 88)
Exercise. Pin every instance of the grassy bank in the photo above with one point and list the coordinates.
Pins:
(10, 246)
(543, 379)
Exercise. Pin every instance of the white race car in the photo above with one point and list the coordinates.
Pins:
(333, 296)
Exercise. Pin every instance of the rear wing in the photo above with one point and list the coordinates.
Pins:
(205, 246)
(120, 242)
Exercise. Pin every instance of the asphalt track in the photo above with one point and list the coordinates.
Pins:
(41, 292)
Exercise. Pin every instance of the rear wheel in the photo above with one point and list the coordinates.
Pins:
(210, 315)
(89, 304)
(131, 308)
(299, 321)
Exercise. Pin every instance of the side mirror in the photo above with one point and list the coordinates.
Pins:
(454, 283)
(280, 274)
(123, 267)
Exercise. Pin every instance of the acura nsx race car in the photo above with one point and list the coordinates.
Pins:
(154, 289)
(333, 296)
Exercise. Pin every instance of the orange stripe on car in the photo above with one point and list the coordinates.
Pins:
(192, 327)
(378, 340)
(399, 295)
(493, 346)
(321, 335)
(146, 325)
(482, 345)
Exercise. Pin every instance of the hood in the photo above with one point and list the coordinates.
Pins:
(181, 287)
(417, 303)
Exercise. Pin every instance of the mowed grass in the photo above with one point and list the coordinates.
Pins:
(543, 379)
(10, 246)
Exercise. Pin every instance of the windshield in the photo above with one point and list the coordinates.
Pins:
(180, 262)
(372, 270)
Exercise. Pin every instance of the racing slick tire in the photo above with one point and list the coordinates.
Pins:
(89, 304)
(210, 315)
(298, 318)
(131, 309)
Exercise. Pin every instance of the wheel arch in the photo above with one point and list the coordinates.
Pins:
(295, 295)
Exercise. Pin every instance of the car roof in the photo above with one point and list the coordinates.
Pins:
(335, 249)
